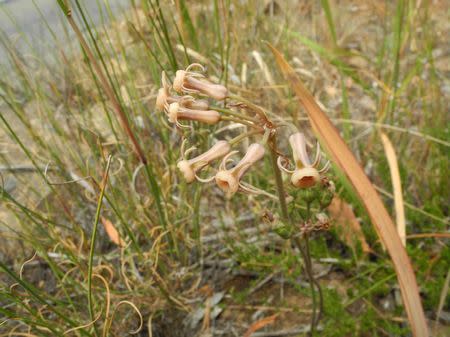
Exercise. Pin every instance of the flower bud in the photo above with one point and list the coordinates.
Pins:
(177, 112)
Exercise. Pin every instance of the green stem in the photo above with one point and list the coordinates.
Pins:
(308, 268)
(196, 221)
(242, 136)
(313, 282)
(93, 238)
(368, 291)
(238, 120)
(278, 182)
(235, 114)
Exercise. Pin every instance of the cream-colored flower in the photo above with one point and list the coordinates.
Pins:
(191, 82)
(164, 98)
(306, 173)
(190, 167)
(176, 112)
(229, 181)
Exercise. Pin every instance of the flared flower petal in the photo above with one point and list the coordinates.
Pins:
(305, 177)
(306, 173)
(229, 180)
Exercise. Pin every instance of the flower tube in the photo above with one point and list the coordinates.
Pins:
(229, 180)
(189, 168)
(177, 112)
(190, 82)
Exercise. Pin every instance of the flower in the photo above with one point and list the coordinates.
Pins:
(306, 173)
(189, 168)
(305, 177)
(164, 98)
(190, 82)
(229, 180)
(175, 111)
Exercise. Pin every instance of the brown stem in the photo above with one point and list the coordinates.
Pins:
(108, 90)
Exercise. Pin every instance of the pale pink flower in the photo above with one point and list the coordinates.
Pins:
(164, 98)
(176, 112)
(306, 173)
(230, 180)
(190, 167)
(190, 82)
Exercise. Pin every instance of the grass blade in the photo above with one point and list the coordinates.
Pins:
(397, 187)
(94, 236)
(186, 23)
(344, 158)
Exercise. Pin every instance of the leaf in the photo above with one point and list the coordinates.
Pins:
(397, 187)
(383, 224)
(112, 232)
(347, 224)
(260, 324)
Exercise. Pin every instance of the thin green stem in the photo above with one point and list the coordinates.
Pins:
(196, 221)
(162, 215)
(308, 268)
(314, 281)
(93, 239)
(235, 114)
(278, 181)
(369, 290)
(237, 120)
(244, 135)
(266, 136)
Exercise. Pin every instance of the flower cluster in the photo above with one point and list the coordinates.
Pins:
(187, 100)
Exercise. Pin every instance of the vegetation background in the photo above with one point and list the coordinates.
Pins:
(169, 259)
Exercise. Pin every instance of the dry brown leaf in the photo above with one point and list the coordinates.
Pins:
(260, 324)
(382, 222)
(348, 226)
(397, 187)
(112, 232)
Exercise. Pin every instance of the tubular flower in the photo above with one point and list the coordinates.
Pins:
(306, 173)
(189, 168)
(164, 98)
(177, 112)
(190, 82)
(230, 180)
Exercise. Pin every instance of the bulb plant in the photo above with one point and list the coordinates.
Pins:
(303, 197)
